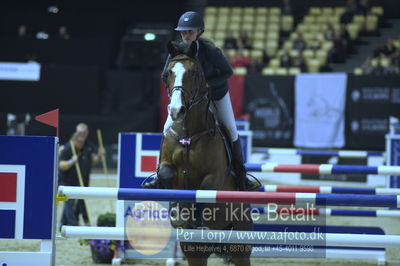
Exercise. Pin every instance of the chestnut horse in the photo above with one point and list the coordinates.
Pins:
(193, 156)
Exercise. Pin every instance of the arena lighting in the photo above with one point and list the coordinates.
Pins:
(149, 36)
(53, 9)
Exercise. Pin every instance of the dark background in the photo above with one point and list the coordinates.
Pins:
(87, 80)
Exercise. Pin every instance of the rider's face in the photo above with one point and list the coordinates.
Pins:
(189, 36)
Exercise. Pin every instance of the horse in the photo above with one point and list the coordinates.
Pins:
(194, 155)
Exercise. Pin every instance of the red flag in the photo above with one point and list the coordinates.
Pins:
(49, 118)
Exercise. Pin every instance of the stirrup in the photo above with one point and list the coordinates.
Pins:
(250, 185)
(155, 183)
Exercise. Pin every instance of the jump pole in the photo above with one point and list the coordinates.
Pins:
(243, 237)
(341, 153)
(214, 196)
(323, 169)
(328, 189)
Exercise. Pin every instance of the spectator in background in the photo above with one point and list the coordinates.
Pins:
(230, 41)
(244, 40)
(63, 33)
(363, 7)
(344, 33)
(299, 62)
(390, 48)
(367, 66)
(88, 159)
(68, 176)
(329, 33)
(240, 60)
(299, 44)
(314, 44)
(396, 60)
(339, 48)
(379, 66)
(378, 49)
(286, 60)
(387, 67)
(22, 32)
(351, 9)
(256, 66)
(287, 8)
(351, 6)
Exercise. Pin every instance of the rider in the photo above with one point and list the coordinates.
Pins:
(217, 70)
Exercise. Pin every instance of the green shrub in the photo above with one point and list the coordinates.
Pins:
(106, 219)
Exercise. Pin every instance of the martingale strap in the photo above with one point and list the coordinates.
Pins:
(185, 142)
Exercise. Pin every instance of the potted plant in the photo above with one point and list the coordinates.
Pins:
(103, 250)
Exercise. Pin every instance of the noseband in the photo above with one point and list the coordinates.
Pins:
(194, 97)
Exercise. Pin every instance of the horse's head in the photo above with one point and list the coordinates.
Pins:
(186, 82)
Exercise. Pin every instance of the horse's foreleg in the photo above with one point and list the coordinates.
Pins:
(241, 261)
(210, 181)
(197, 261)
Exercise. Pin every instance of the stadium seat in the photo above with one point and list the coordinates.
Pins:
(287, 45)
(262, 11)
(211, 10)
(274, 63)
(315, 11)
(261, 27)
(261, 19)
(268, 71)
(236, 18)
(309, 19)
(287, 23)
(377, 10)
(327, 45)
(353, 30)
(273, 27)
(275, 11)
(271, 47)
(281, 71)
(223, 11)
(249, 10)
(308, 53)
(357, 71)
(322, 56)
(327, 11)
(339, 10)
(236, 10)
(294, 71)
(240, 70)
(259, 44)
(294, 53)
(371, 23)
(385, 62)
(274, 35)
(313, 65)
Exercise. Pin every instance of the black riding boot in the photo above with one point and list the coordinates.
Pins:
(240, 170)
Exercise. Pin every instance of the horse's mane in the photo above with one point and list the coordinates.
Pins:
(181, 47)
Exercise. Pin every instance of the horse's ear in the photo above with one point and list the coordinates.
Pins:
(193, 49)
(171, 48)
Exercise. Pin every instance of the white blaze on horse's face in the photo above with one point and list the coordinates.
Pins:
(176, 108)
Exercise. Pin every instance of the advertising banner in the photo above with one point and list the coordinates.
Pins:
(371, 101)
(270, 103)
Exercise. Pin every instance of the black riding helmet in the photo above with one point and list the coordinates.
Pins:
(190, 20)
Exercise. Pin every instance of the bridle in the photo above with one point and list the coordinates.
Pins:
(195, 97)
